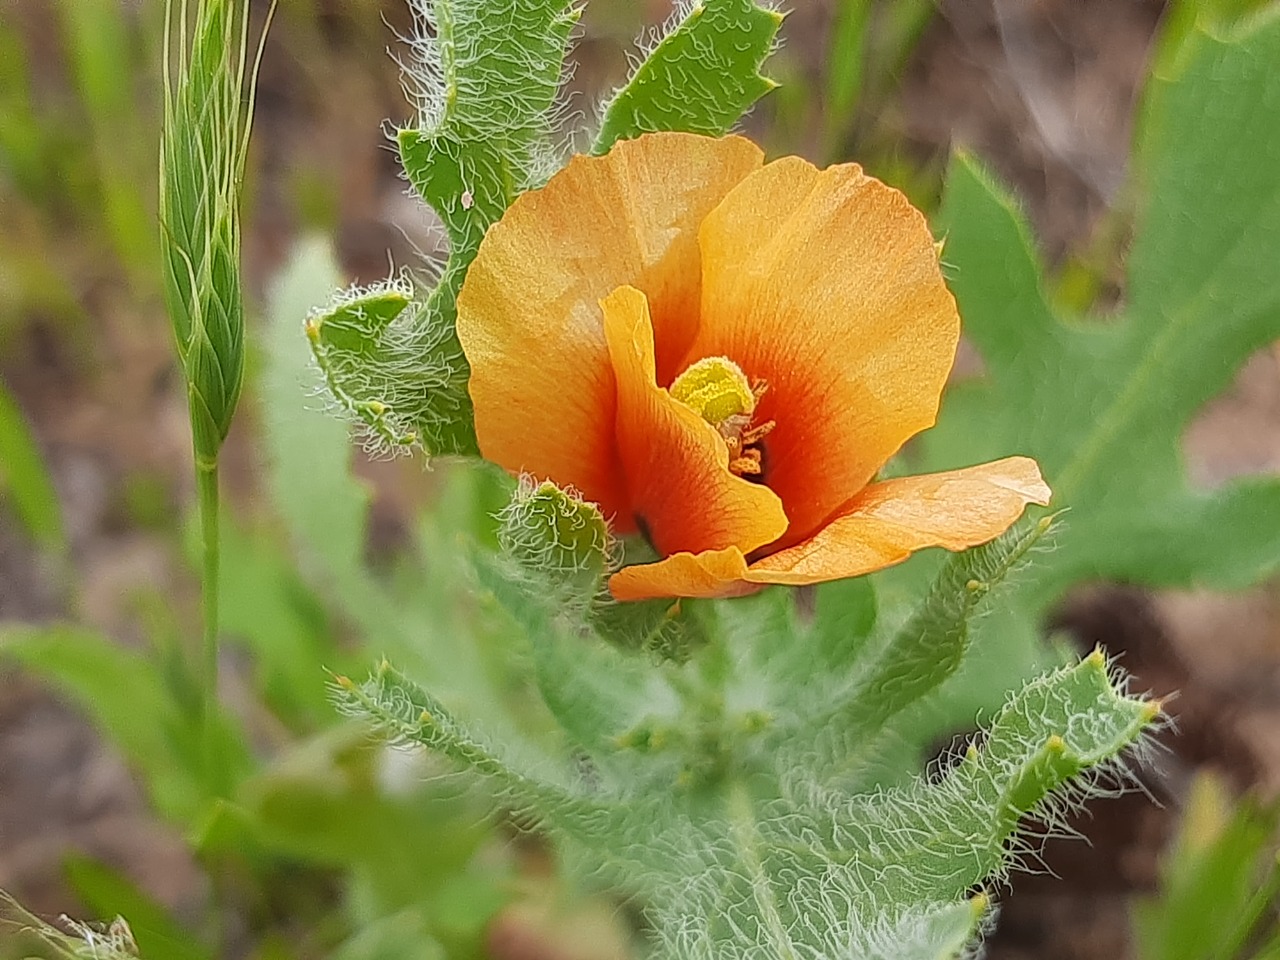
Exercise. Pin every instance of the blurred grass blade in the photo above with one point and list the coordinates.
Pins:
(1218, 880)
(101, 41)
(845, 60)
(24, 480)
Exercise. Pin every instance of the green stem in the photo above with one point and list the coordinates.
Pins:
(742, 821)
(207, 487)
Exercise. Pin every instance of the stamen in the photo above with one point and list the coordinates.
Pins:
(718, 390)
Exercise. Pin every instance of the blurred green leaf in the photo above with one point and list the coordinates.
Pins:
(265, 605)
(130, 701)
(324, 506)
(1182, 18)
(700, 77)
(24, 479)
(326, 801)
(109, 893)
(401, 936)
(1102, 402)
(21, 136)
(1219, 878)
(846, 62)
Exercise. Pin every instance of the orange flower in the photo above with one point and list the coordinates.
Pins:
(723, 353)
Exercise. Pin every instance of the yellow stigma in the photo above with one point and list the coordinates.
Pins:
(717, 389)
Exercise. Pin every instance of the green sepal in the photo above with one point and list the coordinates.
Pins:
(556, 539)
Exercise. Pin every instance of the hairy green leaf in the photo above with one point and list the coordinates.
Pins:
(406, 713)
(913, 661)
(709, 804)
(701, 75)
(484, 75)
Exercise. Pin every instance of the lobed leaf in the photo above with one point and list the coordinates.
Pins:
(1102, 402)
(709, 805)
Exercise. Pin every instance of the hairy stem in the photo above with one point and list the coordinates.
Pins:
(743, 823)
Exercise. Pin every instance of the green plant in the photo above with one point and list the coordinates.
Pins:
(753, 805)
(25, 481)
(1101, 401)
(747, 769)
(415, 860)
(202, 158)
(1219, 883)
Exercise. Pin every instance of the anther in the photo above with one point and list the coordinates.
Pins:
(718, 390)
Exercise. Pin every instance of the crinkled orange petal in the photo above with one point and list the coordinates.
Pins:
(676, 466)
(529, 316)
(826, 285)
(712, 573)
(888, 521)
(882, 526)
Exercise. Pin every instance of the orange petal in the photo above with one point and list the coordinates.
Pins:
(529, 316)
(887, 521)
(712, 573)
(826, 285)
(676, 465)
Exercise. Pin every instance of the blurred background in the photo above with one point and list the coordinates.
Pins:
(96, 485)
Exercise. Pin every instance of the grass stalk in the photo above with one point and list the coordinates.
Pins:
(208, 111)
(210, 562)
